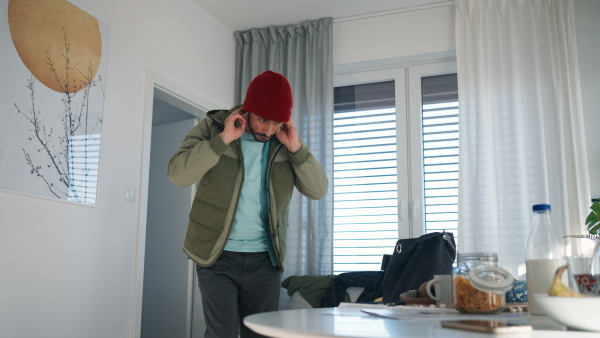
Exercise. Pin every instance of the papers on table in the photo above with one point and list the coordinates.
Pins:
(411, 313)
(361, 306)
(344, 305)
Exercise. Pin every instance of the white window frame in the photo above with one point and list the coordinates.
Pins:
(408, 134)
(414, 75)
(398, 75)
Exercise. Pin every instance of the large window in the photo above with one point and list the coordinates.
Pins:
(395, 160)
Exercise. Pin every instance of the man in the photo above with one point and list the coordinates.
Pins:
(247, 161)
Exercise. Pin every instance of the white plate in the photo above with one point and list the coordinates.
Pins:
(580, 313)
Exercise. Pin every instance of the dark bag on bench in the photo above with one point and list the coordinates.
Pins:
(415, 261)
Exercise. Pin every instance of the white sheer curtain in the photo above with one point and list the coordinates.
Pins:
(303, 54)
(521, 123)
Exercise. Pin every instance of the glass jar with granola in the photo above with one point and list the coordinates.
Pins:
(479, 285)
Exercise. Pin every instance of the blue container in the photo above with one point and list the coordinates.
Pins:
(518, 294)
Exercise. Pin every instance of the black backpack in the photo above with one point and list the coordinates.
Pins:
(415, 261)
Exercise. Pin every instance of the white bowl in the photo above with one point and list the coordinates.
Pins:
(580, 313)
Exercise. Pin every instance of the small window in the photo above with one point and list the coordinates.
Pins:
(365, 176)
(440, 152)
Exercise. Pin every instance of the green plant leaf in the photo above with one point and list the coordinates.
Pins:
(593, 220)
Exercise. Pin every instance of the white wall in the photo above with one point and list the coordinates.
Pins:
(405, 37)
(68, 270)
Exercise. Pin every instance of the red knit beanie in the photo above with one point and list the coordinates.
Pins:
(270, 97)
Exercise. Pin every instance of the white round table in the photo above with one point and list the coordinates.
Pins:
(337, 322)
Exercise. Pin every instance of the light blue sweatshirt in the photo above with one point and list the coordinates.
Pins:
(248, 233)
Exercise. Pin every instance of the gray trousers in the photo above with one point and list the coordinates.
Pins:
(237, 285)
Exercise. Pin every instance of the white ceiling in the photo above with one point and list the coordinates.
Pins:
(239, 15)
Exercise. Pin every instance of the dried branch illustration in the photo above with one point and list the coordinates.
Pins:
(59, 170)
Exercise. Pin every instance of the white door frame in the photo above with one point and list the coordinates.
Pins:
(193, 104)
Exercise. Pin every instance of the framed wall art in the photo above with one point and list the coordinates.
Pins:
(52, 85)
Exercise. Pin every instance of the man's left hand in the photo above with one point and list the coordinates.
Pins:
(289, 137)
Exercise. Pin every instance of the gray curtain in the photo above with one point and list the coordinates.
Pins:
(303, 54)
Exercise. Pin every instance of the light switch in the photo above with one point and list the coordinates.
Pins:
(130, 194)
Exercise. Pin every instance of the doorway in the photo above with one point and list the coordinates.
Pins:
(167, 299)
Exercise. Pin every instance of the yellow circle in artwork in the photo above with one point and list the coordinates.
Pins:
(59, 43)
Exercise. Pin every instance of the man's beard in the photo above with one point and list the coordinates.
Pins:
(262, 138)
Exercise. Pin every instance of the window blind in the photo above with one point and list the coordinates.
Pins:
(365, 176)
(440, 152)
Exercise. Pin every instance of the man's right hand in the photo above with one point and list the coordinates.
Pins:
(235, 125)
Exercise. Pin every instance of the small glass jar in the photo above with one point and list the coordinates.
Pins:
(479, 285)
